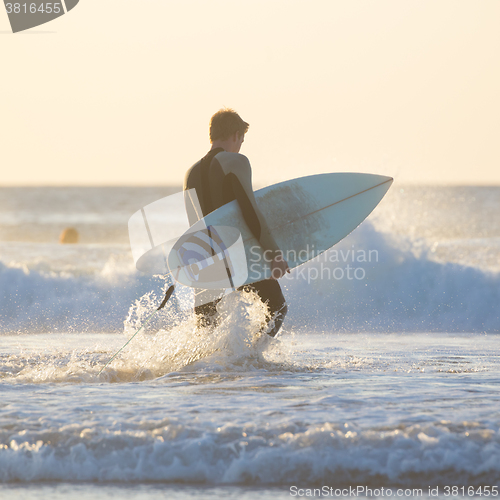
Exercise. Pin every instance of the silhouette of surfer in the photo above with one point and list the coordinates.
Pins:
(221, 176)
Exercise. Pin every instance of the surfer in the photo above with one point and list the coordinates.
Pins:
(221, 176)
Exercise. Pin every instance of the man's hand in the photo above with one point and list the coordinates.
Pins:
(279, 267)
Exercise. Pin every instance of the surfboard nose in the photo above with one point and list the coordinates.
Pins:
(384, 183)
(384, 178)
(381, 181)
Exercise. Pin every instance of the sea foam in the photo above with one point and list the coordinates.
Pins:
(401, 285)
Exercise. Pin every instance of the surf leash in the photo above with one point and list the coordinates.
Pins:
(170, 291)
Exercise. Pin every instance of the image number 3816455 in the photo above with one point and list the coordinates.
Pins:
(27, 14)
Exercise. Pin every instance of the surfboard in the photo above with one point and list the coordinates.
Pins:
(306, 216)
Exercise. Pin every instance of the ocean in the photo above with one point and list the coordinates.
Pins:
(384, 380)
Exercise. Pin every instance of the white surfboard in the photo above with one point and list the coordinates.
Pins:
(307, 216)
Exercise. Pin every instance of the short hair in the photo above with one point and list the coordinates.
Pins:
(225, 123)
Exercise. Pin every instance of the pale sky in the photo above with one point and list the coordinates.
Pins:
(120, 92)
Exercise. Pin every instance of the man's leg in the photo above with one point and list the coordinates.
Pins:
(270, 293)
(205, 307)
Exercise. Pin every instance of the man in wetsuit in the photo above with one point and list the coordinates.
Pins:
(224, 175)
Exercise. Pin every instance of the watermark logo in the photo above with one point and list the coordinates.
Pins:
(210, 258)
(326, 264)
(28, 14)
(204, 257)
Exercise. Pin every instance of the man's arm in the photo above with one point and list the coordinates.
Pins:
(238, 172)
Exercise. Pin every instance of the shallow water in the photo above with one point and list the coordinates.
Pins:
(388, 381)
(376, 409)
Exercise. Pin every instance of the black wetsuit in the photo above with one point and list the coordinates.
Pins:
(214, 189)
